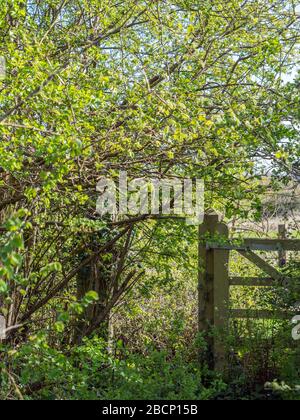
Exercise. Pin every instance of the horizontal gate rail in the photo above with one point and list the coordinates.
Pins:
(261, 281)
(252, 282)
(260, 314)
(267, 245)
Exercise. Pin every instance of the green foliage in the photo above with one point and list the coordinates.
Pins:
(180, 88)
(90, 372)
(11, 246)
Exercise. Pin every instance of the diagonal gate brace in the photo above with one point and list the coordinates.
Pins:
(262, 264)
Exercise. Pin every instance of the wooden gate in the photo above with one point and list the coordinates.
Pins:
(215, 281)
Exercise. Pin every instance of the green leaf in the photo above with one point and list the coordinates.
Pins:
(3, 286)
(91, 296)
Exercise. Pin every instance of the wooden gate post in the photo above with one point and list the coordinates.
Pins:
(206, 274)
(282, 234)
(221, 301)
(213, 287)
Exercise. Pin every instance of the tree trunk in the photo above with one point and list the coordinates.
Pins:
(95, 277)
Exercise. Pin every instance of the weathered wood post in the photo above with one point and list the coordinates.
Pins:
(213, 287)
(221, 300)
(282, 234)
(205, 285)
